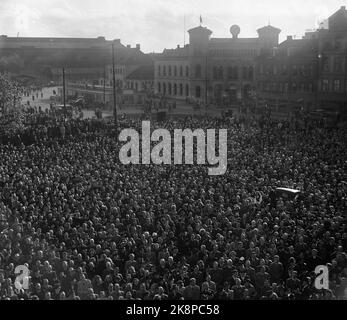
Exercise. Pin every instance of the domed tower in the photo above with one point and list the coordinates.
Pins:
(268, 37)
(199, 39)
(235, 31)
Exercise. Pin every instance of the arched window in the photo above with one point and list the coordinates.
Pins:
(169, 89)
(198, 71)
(187, 71)
(187, 90)
(164, 71)
(159, 87)
(197, 92)
(159, 71)
(164, 88)
(175, 71)
(170, 71)
(181, 89)
(175, 89)
(181, 71)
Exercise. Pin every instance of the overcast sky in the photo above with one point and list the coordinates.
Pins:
(158, 24)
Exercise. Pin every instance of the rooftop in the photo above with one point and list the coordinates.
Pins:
(200, 29)
(233, 40)
(269, 29)
(178, 52)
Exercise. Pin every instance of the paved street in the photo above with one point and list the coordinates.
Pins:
(181, 109)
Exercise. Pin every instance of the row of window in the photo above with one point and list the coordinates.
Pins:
(233, 73)
(336, 85)
(143, 85)
(219, 72)
(233, 52)
(178, 90)
(295, 70)
(173, 89)
(336, 44)
(173, 71)
(326, 86)
(327, 64)
(134, 85)
(334, 64)
(286, 87)
(117, 70)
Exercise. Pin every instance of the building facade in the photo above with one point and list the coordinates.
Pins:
(308, 73)
(212, 70)
(84, 59)
(287, 76)
(171, 73)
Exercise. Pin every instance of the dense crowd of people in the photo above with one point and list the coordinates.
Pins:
(88, 227)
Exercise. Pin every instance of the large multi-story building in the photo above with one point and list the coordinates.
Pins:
(88, 65)
(288, 75)
(309, 73)
(332, 56)
(212, 70)
(84, 59)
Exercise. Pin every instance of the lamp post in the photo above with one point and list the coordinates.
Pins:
(104, 87)
(64, 89)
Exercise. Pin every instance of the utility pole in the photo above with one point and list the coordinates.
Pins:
(114, 91)
(206, 83)
(104, 87)
(64, 98)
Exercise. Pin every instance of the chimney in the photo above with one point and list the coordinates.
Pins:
(289, 37)
(138, 46)
(128, 46)
(178, 46)
(343, 7)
